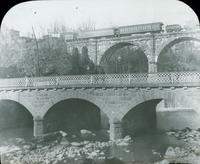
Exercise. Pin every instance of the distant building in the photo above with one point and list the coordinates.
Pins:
(51, 35)
(14, 33)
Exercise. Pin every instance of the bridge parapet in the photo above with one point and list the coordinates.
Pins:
(164, 79)
(136, 36)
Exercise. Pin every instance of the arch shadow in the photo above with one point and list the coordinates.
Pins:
(27, 106)
(110, 52)
(74, 114)
(141, 119)
(17, 118)
(164, 58)
(176, 41)
(139, 99)
(97, 102)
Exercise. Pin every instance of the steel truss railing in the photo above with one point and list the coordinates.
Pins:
(106, 80)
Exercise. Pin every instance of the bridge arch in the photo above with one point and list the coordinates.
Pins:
(171, 43)
(152, 107)
(141, 119)
(163, 58)
(108, 55)
(84, 50)
(139, 100)
(15, 118)
(97, 102)
(168, 97)
(74, 114)
(86, 64)
(109, 52)
(26, 105)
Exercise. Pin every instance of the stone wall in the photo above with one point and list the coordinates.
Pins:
(177, 118)
(115, 103)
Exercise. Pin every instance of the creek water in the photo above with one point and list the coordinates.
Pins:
(144, 148)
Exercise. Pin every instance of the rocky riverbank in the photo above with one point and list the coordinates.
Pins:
(55, 148)
(59, 148)
(189, 152)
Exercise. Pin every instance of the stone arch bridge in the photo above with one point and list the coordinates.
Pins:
(151, 44)
(114, 94)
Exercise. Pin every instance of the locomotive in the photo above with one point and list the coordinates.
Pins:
(173, 28)
(156, 27)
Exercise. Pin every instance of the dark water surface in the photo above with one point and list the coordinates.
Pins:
(8, 135)
(148, 148)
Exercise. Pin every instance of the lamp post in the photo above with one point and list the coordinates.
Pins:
(88, 69)
(119, 59)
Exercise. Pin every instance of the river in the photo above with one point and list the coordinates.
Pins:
(143, 149)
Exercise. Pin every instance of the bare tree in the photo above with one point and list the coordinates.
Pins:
(86, 26)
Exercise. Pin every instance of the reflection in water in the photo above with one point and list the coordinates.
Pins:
(6, 136)
(149, 148)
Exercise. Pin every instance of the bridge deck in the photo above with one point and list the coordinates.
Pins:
(176, 79)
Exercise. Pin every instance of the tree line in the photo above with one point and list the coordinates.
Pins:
(47, 56)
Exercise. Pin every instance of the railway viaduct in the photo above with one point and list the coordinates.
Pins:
(115, 94)
(151, 44)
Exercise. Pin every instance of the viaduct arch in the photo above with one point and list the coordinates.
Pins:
(162, 57)
(171, 42)
(108, 55)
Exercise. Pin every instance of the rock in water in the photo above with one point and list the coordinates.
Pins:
(127, 138)
(164, 162)
(19, 140)
(75, 144)
(64, 134)
(170, 153)
(86, 133)
(64, 141)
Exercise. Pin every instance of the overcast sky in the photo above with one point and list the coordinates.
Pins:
(105, 13)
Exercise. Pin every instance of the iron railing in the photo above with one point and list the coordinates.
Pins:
(106, 80)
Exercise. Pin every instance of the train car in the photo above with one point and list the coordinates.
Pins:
(96, 33)
(55, 35)
(173, 28)
(141, 28)
(70, 36)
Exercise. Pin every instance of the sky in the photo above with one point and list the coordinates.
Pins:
(103, 13)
